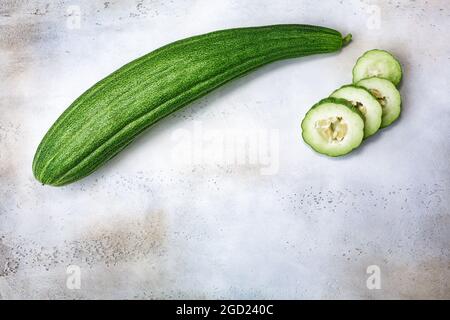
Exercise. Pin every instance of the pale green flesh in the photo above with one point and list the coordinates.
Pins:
(377, 63)
(366, 103)
(388, 96)
(331, 108)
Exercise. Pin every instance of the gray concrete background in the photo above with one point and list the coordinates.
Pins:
(156, 222)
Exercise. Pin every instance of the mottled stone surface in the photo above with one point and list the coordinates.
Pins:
(181, 213)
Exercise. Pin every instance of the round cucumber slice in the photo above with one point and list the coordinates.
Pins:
(387, 95)
(333, 127)
(377, 63)
(362, 99)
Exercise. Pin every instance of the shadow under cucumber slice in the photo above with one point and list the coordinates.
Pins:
(366, 103)
(333, 127)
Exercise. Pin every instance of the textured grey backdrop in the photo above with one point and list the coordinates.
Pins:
(160, 221)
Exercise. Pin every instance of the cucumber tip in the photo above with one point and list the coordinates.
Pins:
(347, 39)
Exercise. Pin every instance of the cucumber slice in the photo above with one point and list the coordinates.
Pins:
(377, 63)
(369, 106)
(387, 95)
(333, 127)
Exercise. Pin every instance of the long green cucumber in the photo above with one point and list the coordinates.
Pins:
(109, 115)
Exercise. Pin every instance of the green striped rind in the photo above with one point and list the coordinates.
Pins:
(109, 115)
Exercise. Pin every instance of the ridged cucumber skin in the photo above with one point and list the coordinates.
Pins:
(113, 112)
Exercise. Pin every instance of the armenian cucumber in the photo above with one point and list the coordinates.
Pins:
(111, 114)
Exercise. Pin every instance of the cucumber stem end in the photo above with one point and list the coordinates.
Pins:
(346, 40)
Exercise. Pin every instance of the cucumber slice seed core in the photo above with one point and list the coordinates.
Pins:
(377, 94)
(332, 129)
(360, 107)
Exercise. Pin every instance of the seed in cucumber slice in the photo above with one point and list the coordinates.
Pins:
(369, 106)
(377, 63)
(387, 95)
(333, 127)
